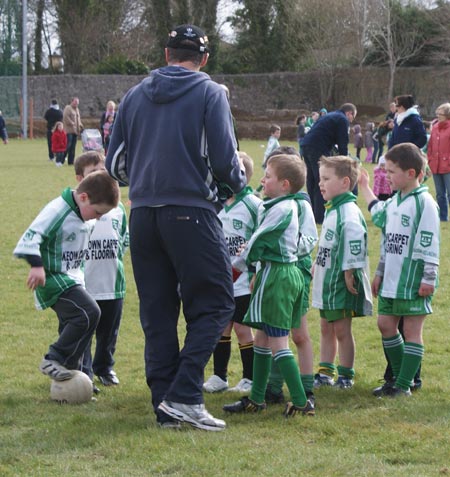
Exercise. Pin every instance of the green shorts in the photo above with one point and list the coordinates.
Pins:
(397, 307)
(304, 306)
(335, 315)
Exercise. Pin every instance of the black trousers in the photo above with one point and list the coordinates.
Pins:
(311, 157)
(179, 255)
(78, 315)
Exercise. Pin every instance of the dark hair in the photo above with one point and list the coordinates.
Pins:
(404, 100)
(89, 158)
(407, 156)
(348, 107)
(101, 188)
(183, 55)
(289, 150)
(274, 128)
(299, 118)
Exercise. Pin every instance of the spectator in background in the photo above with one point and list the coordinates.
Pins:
(3, 131)
(110, 112)
(323, 112)
(52, 116)
(300, 123)
(408, 125)
(392, 112)
(73, 127)
(330, 130)
(368, 141)
(311, 120)
(438, 154)
(358, 140)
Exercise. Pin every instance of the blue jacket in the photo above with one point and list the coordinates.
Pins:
(411, 129)
(173, 141)
(327, 131)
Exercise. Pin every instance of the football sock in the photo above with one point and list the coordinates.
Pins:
(275, 379)
(346, 372)
(222, 355)
(246, 351)
(308, 382)
(412, 358)
(291, 374)
(328, 369)
(262, 360)
(394, 348)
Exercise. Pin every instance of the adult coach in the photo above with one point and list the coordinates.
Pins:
(72, 126)
(177, 131)
(52, 116)
(330, 130)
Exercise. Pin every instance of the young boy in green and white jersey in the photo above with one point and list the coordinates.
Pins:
(300, 334)
(278, 290)
(341, 288)
(406, 277)
(56, 245)
(104, 277)
(239, 219)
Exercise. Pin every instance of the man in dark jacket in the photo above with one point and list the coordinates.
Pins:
(173, 141)
(52, 116)
(329, 131)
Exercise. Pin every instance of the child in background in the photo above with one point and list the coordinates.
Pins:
(381, 187)
(104, 276)
(274, 245)
(341, 288)
(358, 141)
(59, 143)
(368, 141)
(272, 143)
(239, 219)
(407, 273)
(55, 245)
(107, 130)
(3, 131)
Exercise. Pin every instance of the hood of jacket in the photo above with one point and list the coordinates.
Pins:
(167, 84)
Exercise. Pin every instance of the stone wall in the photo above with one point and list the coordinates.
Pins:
(257, 100)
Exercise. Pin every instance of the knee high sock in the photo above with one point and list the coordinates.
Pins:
(308, 382)
(262, 360)
(412, 357)
(328, 369)
(246, 351)
(222, 355)
(291, 374)
(346, 372)
(275, 379)
(394, 348)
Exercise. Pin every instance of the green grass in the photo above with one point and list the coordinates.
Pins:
(353, 434)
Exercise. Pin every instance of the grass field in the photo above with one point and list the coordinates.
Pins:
(353, 434)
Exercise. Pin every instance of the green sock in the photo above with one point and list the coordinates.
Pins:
(394, 349)
(346, 372)
(412, 358)
(275, 379)
(289, 369)
(262, 361)
(308, 382)
(329, 369)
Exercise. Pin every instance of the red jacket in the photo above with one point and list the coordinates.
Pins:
(59, 141)
(439, 148)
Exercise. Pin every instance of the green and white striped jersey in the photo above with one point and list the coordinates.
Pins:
(276, 238)
(342, 246)
(103, 268)
(308, 237)
(410, 238)
(60, 237)
(239, 221)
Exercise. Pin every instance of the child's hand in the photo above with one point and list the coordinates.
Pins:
(425, 289)
(350, 281)
(364, 179)
(376, 283)
(36, 278)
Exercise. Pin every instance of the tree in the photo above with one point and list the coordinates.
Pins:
(10, 37)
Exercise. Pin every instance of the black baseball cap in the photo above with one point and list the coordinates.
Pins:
(188, 37)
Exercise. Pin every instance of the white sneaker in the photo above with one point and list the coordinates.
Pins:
(194, 414)
(243, 386)
(215, 385)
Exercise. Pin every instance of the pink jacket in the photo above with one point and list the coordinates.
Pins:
(380, 182)
(438, 151)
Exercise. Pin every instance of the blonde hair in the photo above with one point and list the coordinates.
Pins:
(445, 109)
(55, 127)
(290, 167)
(343, 166)
(247, 162)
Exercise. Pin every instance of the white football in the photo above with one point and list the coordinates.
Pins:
(76, 390)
